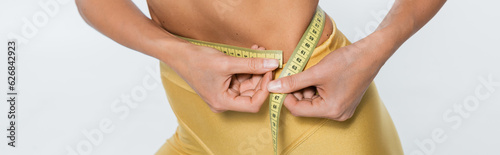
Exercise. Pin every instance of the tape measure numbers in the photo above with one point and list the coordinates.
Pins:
(295, 64)
(240, 51)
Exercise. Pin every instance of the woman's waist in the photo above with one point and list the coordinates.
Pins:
(282, 34)
(334, 41)
(284, 39)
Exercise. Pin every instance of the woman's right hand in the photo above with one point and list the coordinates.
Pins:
(225, 82)
(219, 79)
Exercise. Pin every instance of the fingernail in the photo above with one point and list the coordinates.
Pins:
(274, 86)
(270, 63)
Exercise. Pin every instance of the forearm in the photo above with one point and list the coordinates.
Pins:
(404, 19)
(123, 22)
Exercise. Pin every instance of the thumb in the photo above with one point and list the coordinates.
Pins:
(252, 65)
(292, 83)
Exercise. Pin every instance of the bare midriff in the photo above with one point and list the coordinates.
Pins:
(273, 24)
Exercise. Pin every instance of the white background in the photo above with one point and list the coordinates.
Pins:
(71, 78)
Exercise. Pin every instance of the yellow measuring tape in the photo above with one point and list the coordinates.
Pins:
(240, 51)
(295, 64)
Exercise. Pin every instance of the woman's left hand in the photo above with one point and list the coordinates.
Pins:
(340, 80)
(343, 76)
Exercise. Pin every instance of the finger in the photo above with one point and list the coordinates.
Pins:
(252, 83)
(243, 77)
(293, 83)
(250, 104)
(263, 83)
(261, 94)
(309, 92)
(315, 96)
(298, 95)
(248, 87)
(254, 47)
(307, 108)
(240, 103)
(265, 80)
(248, 93)
(234, 87)
(258, 79)
(250, 65)
(290, 99)
(261, 48)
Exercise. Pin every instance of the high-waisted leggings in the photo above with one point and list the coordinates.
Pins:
(370, 131)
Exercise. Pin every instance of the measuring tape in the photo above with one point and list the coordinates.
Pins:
(295, 64)
(240, 51)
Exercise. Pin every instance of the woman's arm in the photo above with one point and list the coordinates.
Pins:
(123, 22)
(209, 72)
(404, 19)
(343, 76)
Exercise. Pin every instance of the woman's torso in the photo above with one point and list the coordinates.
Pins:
(276, 25)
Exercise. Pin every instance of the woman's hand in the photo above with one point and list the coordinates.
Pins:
(343, 76)
(226, 82)
(340, 80)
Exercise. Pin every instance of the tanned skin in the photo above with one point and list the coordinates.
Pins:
(243, 84)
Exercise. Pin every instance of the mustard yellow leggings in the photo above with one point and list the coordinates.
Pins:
(370, 131)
